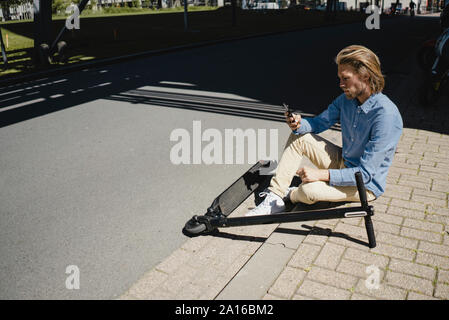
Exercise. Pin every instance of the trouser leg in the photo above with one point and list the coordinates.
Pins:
(321, 152)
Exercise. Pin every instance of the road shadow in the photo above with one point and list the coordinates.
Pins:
(236, 86)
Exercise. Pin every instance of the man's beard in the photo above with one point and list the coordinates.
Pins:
(353, 95)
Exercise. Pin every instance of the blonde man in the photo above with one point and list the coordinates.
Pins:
(371, 126)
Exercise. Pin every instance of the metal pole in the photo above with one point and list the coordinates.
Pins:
(234, 5)
(185, 16)
(5, 58)
(42, 24)
(293, 216)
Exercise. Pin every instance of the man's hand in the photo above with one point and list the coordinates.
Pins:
(293, 121)
(311, 174)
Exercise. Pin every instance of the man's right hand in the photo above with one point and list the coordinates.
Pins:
(293, 121)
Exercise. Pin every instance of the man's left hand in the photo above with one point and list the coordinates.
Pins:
(308, 174)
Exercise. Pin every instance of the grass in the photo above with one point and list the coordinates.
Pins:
(134, 11)
(112, 35)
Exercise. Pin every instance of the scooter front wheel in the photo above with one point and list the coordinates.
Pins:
(194, 227)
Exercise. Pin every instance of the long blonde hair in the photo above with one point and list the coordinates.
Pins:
(365, 62)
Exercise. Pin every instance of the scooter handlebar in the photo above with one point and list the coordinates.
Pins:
(361, 188)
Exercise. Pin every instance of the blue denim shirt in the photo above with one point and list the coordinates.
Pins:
(370, 134)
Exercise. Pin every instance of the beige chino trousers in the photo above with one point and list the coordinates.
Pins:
(322, 153)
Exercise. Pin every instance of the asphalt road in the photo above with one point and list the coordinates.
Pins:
(86, 177)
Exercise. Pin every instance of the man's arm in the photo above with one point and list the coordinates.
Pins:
(317, 124)
(308, 174)
(324, 120)
(379, 151)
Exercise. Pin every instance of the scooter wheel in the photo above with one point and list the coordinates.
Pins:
(193, 227)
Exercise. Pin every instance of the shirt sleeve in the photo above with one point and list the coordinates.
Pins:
(324, 120)
(379, 151)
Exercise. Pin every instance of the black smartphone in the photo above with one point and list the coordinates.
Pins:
(288, 110)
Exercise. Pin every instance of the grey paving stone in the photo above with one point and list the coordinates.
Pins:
(442, 291)
(358, 296)
(421, 235)
(394, 251)
(438, 210)
(351, 231)
(322, 291)
(384, 292)
(196, 243)
(179, 279)
(256, 277)
(403, 181)
(443, 276)
(405, 212)
(417, 296)
(387, 227)
(318, 236)
(290, 238)
(304, 256)
(410, 268)
(429, 201)
(330, 256)
(398, 241)
(432, 260)
(387, 218)
(287, 282)
(423, 225)
(332, 278)
(148, 283)
(367, 258)
(408, 204)
(353, 268)
(431, 194)
(439, 249)
(407, 282)
(174, 261)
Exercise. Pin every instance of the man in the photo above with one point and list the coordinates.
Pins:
(371, 126)
(412, 8)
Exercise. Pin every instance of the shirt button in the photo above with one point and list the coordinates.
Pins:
(355, 125)
(352, 139)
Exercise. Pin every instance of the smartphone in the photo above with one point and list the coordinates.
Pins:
(288, 110)
(289, 114)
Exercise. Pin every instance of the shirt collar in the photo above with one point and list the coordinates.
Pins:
(368, 104)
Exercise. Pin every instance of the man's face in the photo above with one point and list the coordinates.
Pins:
(352, 84)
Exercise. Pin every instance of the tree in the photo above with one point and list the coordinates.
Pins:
(58, 6)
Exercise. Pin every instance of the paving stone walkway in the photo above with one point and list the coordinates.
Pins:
(330, 259)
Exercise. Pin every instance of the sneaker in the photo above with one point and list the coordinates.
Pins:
(287, 194)
(270, 205)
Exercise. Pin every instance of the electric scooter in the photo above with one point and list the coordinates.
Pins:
(254, 179)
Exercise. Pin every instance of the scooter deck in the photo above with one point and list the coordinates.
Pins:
(241, 189)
